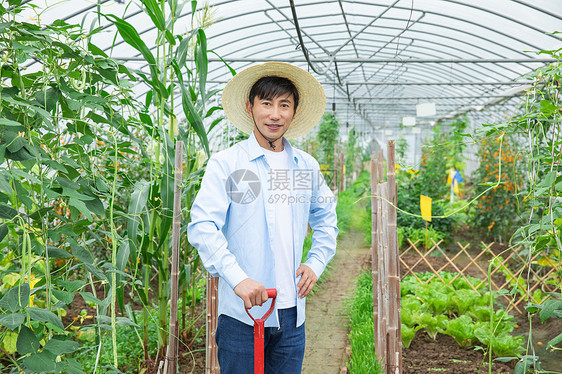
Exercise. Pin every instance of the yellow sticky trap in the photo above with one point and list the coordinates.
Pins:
(425, 207)
(456, 187)
(451, 176)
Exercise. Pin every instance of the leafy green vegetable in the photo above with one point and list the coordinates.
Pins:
(408, 334)
(463, 299)
(462, 330)
(433, 324)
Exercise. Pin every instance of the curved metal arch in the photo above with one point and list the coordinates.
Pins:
(431, 24)
(337, 15)
(480, 48)
(462, 20)
(482, 73)
(502, 15)
(440, 36)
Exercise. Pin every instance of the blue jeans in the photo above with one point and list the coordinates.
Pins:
(284, 346)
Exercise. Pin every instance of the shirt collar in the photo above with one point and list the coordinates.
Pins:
(255, 150)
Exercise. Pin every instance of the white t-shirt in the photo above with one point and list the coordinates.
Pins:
(278, 192)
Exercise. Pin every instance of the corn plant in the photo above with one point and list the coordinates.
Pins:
(173, 78)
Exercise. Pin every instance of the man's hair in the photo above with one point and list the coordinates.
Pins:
(272, 87)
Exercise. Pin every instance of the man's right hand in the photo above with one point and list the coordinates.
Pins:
(252, 292)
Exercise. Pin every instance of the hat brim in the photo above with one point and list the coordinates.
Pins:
(312, 99)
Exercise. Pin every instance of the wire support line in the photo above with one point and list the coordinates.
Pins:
(529, 60)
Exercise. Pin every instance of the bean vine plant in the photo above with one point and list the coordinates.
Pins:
(86, 183)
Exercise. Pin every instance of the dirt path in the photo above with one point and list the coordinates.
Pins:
(326, 324)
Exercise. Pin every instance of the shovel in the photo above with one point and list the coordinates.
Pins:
(259, 333)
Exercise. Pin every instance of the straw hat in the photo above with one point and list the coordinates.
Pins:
(312, 99)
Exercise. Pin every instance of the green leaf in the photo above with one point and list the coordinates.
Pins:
(192, 115)
(58, 252)
(155, 13)
(44, 315)
(122, 256)
(48, 98)
(3, 231)
(69, 366)
(202, 64)
(549, 307)
(67, 183)
(132, 37)
(7, 212)
(82, 208)
(42, 362)
(64, 296)
(95, 271)
(137, 207)
(12, 320)
(554, 341)
(16, 298)
(95, 205)
(181, 51)
(59, 345)
(27, 341)
(71, 286)
(167, 187)
(95, 50)
(232, 71)
(81, 253)
(90, 298)
(9, 123)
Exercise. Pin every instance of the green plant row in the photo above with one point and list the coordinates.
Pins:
(425, 237)
(461, 308)
(361, 336)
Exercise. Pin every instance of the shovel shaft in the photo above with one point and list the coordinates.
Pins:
(259, 333)
(259, 340)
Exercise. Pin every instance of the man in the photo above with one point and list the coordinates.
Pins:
(250, 217)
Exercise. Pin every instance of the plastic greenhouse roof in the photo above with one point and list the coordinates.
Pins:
(376, 59)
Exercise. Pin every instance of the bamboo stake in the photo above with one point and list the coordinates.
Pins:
(395, 358)
(342, 173)
(212, 363)
(381, 166)
(383, 273)
(335, 181)
(171, 365)
(374, 250)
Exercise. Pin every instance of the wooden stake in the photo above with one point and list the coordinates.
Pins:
(383, 273)
(374, 249)
(335, 181)
(342, 173)
(212, 362)
(381, 166)
(171, 366)
(395, 336)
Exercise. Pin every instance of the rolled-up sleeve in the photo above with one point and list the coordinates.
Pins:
(208, 216)
(323, 221)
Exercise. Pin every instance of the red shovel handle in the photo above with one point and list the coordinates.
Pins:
(259, 332)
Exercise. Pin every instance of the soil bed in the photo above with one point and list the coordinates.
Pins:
(444, 355)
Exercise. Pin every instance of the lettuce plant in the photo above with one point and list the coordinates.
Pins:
(502, 344)
(463, 299)
(433, 324)
(462, 330)
(408, 334)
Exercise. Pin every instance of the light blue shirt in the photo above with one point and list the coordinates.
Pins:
(232, 222)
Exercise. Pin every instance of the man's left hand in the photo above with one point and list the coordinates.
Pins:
(307, 281)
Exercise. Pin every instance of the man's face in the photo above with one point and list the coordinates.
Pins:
(272, 116)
